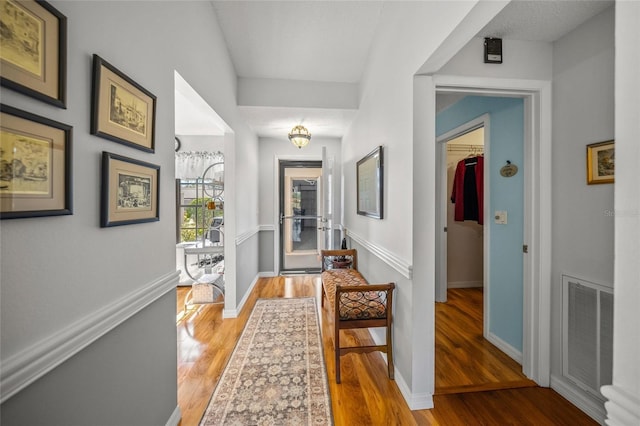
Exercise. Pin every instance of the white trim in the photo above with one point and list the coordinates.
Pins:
(175, 418)
(267, 274)
(423, 401)
(622, 408)
(240, 239)
(578, 398)
(538, 206)
(25, 367)
(383, 254)
(512, 352)
(271, 228)
(465, 284)
(233, 313)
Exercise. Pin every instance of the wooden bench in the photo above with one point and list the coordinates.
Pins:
(355, 303)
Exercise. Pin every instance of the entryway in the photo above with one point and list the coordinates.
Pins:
(302, 227)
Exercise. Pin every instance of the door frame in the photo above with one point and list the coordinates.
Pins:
(281, 164)
(537, 95)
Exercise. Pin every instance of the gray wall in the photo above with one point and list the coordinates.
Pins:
(58, 271)
(583, 113)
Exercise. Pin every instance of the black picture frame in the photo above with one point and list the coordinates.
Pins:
(35, 165)
(130, 191)
(370, 184)
(39, 72)
(121, 110)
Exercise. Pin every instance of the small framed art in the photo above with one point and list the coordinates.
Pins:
(370, 174)
(35, 165)
(601, 163)
(33, 50)
(130, 191)
(122, 110)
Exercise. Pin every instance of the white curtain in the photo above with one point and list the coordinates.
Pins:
(192, 164)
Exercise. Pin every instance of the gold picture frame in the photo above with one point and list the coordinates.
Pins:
(122, 110)
(130, 191)
(35, 165)
(601, 163)
(33, 50)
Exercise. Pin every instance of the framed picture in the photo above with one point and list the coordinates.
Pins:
(600, 162)
(370, 172)
(130, 191)
(122, 110)
(35, 165)
(33, 50)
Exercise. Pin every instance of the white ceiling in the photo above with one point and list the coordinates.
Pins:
(299, 40)
(330, 41)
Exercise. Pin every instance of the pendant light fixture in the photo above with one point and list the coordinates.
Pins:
(299, 136)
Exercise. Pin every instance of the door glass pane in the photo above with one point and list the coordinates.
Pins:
(304, 200)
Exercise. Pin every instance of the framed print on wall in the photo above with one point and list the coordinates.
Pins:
(33, 50)
(370, 173)
(35, 165)
(122, 110)
(601, 163)
(130, 191)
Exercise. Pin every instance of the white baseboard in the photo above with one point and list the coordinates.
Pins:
(465, 284)
(267, 274)
(423, 401)
(28, 365)
(578, 398)
(175, 418)
(622, 408)
(505, 347)
(233, 313)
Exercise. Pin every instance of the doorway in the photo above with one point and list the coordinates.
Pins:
(301, 219)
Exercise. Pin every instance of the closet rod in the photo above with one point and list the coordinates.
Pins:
(469, 148)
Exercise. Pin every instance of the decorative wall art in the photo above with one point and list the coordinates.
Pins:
(130, 191)
(600, 162)
(35, 165)
(370, 184)
(122, 110)
(33, 50)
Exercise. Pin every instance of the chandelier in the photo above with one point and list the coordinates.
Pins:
(299, 136)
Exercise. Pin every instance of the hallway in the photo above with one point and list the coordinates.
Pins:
(366, 395)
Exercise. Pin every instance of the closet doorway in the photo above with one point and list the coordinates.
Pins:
(467, 359)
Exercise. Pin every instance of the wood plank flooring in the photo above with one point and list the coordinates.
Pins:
(366, 395)
(465, 360)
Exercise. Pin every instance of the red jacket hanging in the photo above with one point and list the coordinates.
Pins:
(460, 197)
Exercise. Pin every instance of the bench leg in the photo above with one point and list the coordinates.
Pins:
(337, 352)
(389, 352)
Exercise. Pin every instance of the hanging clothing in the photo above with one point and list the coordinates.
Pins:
(468, 190)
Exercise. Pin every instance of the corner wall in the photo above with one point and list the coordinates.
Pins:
(65, 279)
(583, 218)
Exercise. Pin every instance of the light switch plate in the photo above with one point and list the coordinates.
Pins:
(501, 217)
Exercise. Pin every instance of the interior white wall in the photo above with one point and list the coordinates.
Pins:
(583, 113)
(206, 143)
(385, 118)
(623, 407)
(520, 59)
(57, 270)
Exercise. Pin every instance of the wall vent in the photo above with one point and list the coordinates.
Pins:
(587, 337)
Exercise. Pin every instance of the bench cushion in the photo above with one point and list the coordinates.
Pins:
(353, 305)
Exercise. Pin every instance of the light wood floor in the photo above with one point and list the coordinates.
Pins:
(366, 395)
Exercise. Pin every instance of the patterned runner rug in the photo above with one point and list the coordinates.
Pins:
(276, 374)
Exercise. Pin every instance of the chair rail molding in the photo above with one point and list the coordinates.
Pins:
(391, 259)
(28, 365)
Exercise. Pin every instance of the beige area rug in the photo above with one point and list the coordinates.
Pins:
(276, 374)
